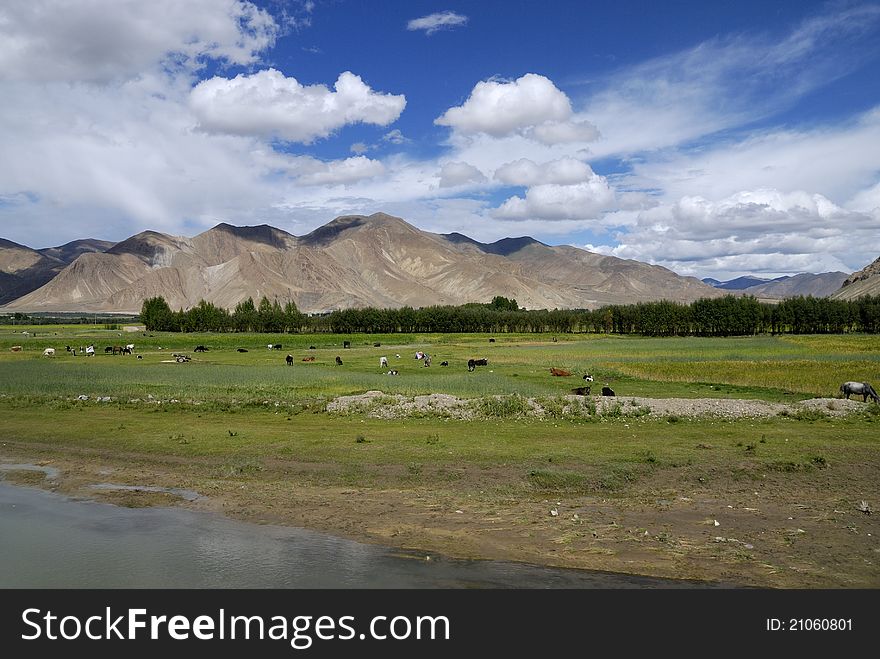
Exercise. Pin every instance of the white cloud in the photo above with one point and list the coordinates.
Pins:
(459, 173)
(837, 161)
(564, 132)
(444, 20)
(395, 137)
(725, 82)
(359, 148)
(269, 104)
(311, 171)
(525, 172)
(105, 40)
(501, 108)
(759, 231)
(549, 201)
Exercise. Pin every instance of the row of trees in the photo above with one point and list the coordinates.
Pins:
(206, 317)
(726, 316)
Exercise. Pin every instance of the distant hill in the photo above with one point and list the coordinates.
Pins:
(821, 285)
(740, 283)
(864, 282)
(23, 269)
(352, 261)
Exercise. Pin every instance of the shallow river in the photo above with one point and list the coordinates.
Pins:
(50, 541)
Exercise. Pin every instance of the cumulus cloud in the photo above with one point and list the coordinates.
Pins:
(310, 171)
(758, 231)
(525, 172)
(459, 173)
(500, 108)
(105, 40)
(443, 20)
(269, 104)
(395, 137)
(359, 148)
(531, 106)
(550, 201)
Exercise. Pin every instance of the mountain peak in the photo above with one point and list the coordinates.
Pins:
(327, 233)
(261, 233)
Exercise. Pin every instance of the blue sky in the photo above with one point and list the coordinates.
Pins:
(715, 138)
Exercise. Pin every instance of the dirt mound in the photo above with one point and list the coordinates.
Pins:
(377, 404)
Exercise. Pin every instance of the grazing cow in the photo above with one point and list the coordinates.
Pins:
(607, 391)
(15, 348)
(588, 377)
(383, 362)
(308, 359)
(67, 348)
(140, 356)
(491, 340)
(346, 344)
(277, 346)
(49, 352)
(338, 360)
(377, 345)
(473, 363)
(130, 346)
(427, 360)
(126, 350)
(444, 363)
(242, 349)
(419, 355)
(859, 389)
(581, 391)
(108, 350)
(397, 355)
(289, 360)
(90, 350)
(312, 348)
(559, 372)
(393, 372)
(554, 339)
(200, 349)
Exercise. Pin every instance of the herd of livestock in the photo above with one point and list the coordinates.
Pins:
(846, 390)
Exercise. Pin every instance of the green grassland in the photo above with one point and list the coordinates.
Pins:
(252, 432)
(770, 368)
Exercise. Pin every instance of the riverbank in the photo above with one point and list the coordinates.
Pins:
(762, 502)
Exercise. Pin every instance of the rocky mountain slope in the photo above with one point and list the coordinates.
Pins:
(352, 261)
(864, 282)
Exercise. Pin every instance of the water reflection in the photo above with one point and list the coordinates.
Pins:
(47, 540)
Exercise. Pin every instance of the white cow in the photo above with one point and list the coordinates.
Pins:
(49, 352)
(383, 362)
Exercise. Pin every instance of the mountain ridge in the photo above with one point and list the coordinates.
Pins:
(352, 261)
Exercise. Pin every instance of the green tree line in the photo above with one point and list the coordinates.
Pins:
(726, 316)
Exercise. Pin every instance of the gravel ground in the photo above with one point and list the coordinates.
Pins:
(377, 404)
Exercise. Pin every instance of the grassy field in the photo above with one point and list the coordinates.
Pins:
(631, 494)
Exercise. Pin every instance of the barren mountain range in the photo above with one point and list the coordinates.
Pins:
(352, 261)
(821, 285)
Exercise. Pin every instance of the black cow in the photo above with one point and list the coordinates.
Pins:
(444, 363)
(346, 344)
(377, 345)
(289, 360)
(581, 391)
(242, 349)
(108, 349)
(491, 340)
(200, 349)
(277, 346)
(473, 363)
(338, 360)
(607, 391)
(312, 348)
